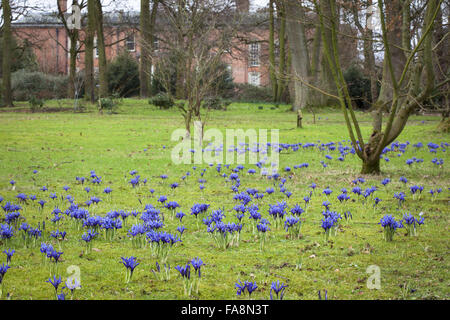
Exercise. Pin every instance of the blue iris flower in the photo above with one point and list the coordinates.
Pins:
(196, 264)
(9, 253)
(130, 263)
(55, 282)
(185, 271)
(181, 229)
(3, 269)
(279, 289)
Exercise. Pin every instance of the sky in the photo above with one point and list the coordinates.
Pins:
(130, 4)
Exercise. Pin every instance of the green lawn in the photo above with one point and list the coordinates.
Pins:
(64, 145)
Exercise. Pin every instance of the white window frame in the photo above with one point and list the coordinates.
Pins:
(95, 47)
(254, 52)
(133, 42)
(254, 78)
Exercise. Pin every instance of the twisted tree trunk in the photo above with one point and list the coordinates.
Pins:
(407, 83)
(7, 52)
(89, 53)
(301, 67)
(102, 76)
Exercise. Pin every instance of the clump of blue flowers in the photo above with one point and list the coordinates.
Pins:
(248, 286)
(330, 223)
(191, 282)
(130, 264)
(87, 237)
(277, 288)
(411, 223)
(390, 226)
(277, 212)
(263, 228)
(162, 275)
(161, 243)
(3, 269)
(293, 225)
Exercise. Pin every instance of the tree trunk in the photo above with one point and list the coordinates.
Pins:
(281, 87)
(367, 34)
(272, 75)
(371, 166)
(152, 41)
(180, 92)
(7, 51)
(395, 38)
(187, 123)
(145, 69)
(299, 119)
(89, 53)
(103, 80)
(73, 38)
(301, 67)
(326, 80)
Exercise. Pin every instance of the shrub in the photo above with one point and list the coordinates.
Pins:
(26, 85)
(109, 104)
(36, 104)
(22, 57)
(250, 93)
(216, 103)
(358, 86)
(224, 85)
(162, 100)
(123, 75)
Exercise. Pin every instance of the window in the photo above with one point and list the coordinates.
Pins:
(254, 49)
(254, 78)
(70, 47)
(277, 47)
(95, 47)
(130, 43)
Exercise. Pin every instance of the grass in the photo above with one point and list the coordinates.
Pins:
(63, 145)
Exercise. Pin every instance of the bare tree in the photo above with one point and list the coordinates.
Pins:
(310, 73)
(301, 66)
(199, 34)
(366, 33)
(102, 62)
(7, 51)
(89, 52)
(147, 26)
(277, 75)
(411, 80)
(74, 37)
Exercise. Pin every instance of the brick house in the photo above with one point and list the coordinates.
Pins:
(50, 42)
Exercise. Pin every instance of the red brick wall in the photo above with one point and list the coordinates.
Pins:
(51, 46)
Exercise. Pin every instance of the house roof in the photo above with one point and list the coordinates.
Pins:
(132, 18)
(52, 19)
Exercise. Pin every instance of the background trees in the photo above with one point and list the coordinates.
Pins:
(6, 54)
(199, 33)
(147, 26)
(409, 56)
(278, 76)
(389, 57)
(408, 75)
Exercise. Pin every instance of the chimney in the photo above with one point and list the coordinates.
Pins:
(243, 6)
(63, 5)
